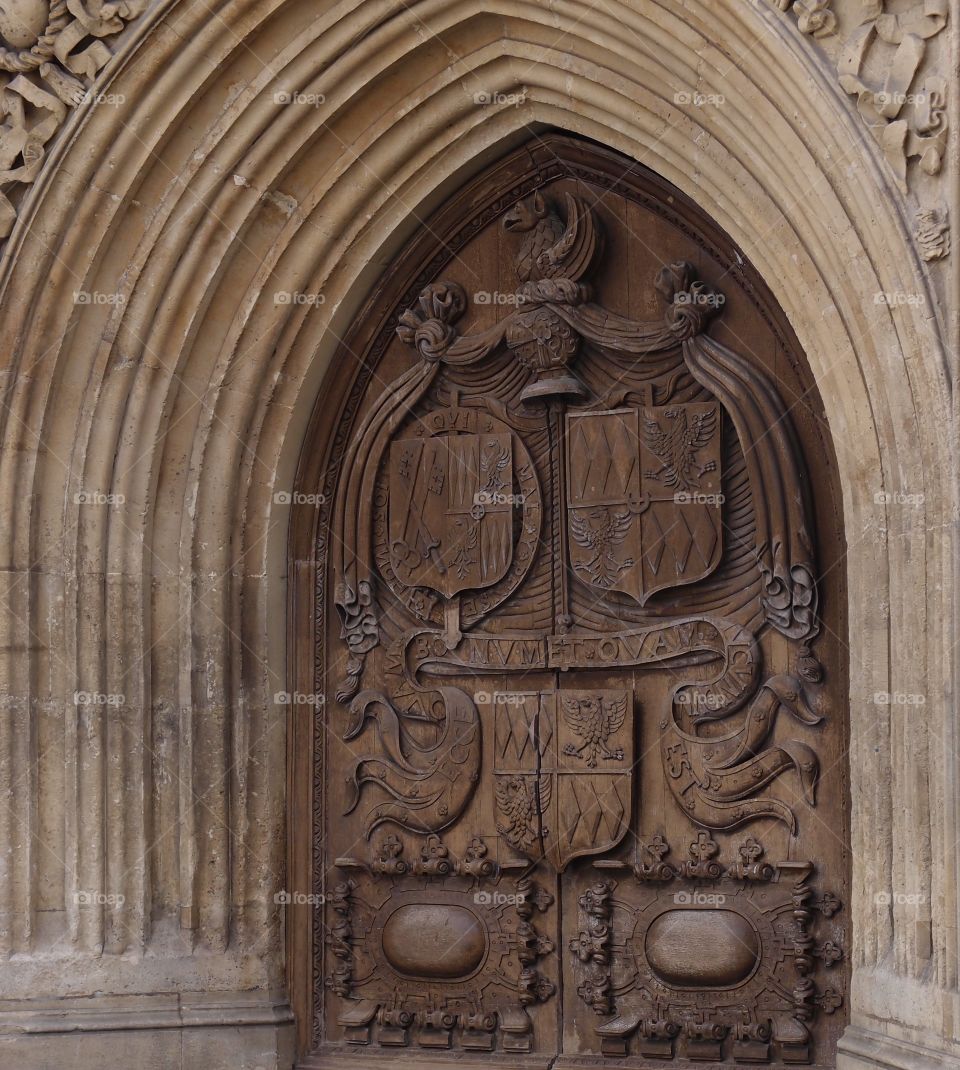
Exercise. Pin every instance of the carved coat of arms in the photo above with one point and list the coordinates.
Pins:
(643, 507)
(563, 771)
(451, 506)
(569, 544)
(445, 514)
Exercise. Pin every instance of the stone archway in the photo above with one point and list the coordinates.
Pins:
(198, 201)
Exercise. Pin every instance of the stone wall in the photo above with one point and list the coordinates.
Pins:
(158, 376)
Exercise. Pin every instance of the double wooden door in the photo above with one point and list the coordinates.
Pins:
(575, 780)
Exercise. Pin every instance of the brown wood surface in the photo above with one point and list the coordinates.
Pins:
(572, 610)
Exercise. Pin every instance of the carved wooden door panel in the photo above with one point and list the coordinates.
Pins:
(578, 783)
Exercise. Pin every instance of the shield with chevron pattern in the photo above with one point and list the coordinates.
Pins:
(563, 766)
(644, 497)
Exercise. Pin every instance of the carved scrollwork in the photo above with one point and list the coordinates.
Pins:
(883, 62)
(932, 231)
(647, 959)
(53, 51)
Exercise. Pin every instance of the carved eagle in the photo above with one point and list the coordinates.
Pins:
(552, 249)
(677, 449)
(517, 800)
(601, 530)
(493, 459)
(594, 721)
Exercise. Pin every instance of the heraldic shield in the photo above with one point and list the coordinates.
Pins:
(644, 501)
(451, 506)
(564, 771)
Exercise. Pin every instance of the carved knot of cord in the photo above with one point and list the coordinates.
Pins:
(358, 616)
(691, 301)
(429, 327)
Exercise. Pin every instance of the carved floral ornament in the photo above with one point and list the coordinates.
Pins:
(52, 53)
(883, 60)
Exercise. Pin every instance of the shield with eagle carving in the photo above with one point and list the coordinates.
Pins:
(644, 497)
(563, 765)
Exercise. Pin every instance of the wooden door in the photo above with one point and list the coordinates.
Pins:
(569, 595)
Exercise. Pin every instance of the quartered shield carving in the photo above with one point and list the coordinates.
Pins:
(644, 500)
(563, 769)
(450, 512)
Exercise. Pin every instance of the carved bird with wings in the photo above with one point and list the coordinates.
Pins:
(677, 448)
(594, 720)
(521, 800)
(494, 458)
(552, 249)
(601, 530)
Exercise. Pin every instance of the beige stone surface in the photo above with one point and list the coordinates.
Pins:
(150, 430)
